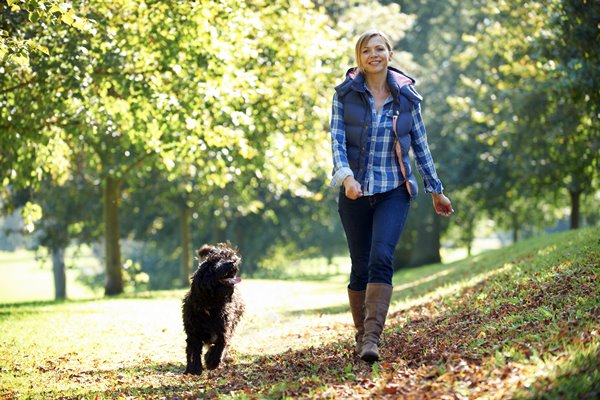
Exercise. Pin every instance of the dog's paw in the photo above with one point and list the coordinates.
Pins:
(213, 363)
(193, 370)
(213, 358)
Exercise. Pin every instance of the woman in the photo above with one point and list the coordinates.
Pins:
(376, 118)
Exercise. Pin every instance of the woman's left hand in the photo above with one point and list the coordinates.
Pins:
(442, 204)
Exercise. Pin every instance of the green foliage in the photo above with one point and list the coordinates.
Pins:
(133, 275)
(203, 93)
(525, 88)
(31, 214)
(211, 118)
(487, 71)
(352, 18)
(15, 46)
(432, 41)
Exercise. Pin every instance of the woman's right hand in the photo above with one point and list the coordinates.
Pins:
(352, 188)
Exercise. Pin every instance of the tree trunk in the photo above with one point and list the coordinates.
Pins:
(58, 269)
(575, 201)
(114, 274)
(436, 238)
(470, 227)
(186, 248)
(515, 224)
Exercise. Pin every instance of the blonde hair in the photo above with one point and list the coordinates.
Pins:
(364, 38)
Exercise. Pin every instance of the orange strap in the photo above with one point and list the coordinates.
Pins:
(398, 149)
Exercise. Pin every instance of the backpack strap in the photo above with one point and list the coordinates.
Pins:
(398, 149)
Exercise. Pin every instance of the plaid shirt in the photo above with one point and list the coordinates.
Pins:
(384, 172)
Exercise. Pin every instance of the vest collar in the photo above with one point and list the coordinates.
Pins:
(397, 80)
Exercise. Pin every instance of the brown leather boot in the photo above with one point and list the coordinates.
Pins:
(357, 307)
(377, 303)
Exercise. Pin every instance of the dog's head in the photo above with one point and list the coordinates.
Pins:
(217, 273)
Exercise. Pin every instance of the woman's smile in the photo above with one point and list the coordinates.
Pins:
(375, 55)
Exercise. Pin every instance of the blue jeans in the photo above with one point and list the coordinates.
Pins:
(373, 225)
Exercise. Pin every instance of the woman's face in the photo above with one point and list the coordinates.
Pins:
(374, 56)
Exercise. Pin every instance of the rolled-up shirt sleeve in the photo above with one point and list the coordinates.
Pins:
(341, 168)
(423, 157)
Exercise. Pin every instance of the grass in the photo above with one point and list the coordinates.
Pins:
(23, 278)
(519, 322)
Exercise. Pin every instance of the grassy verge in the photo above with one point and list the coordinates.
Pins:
(24, 278)
(519, 322)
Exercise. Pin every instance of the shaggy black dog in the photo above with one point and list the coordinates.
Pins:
(212, 307)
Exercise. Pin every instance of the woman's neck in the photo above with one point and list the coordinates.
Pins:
(377, 83)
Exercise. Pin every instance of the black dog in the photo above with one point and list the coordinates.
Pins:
(212, 308)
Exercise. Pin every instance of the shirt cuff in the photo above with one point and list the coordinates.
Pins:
(438, 188)
(340, 175)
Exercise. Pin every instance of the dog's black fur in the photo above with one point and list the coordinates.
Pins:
(213, 307)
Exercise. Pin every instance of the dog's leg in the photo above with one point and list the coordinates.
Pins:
(193, 352)
(213, 356)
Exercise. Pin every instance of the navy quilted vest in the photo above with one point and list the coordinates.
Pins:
(357, 120)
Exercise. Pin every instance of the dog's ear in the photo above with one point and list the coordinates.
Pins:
(205, 250)
(203, 279)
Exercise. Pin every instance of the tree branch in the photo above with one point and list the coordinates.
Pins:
(20, 85)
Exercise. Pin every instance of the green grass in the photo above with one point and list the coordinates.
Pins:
(23, 278)
(519, 322)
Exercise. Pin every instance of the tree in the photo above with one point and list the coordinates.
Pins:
(434, 39)
(575, 89)
(532, 89)
(28, 146)
(159, 85)
(69, 213)
(262, 116)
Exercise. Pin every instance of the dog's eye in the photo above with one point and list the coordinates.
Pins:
(230, 274)
(228, 271)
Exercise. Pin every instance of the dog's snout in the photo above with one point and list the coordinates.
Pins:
(229, 267)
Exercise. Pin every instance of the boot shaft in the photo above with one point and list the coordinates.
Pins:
(377, 303)
(357, 308)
